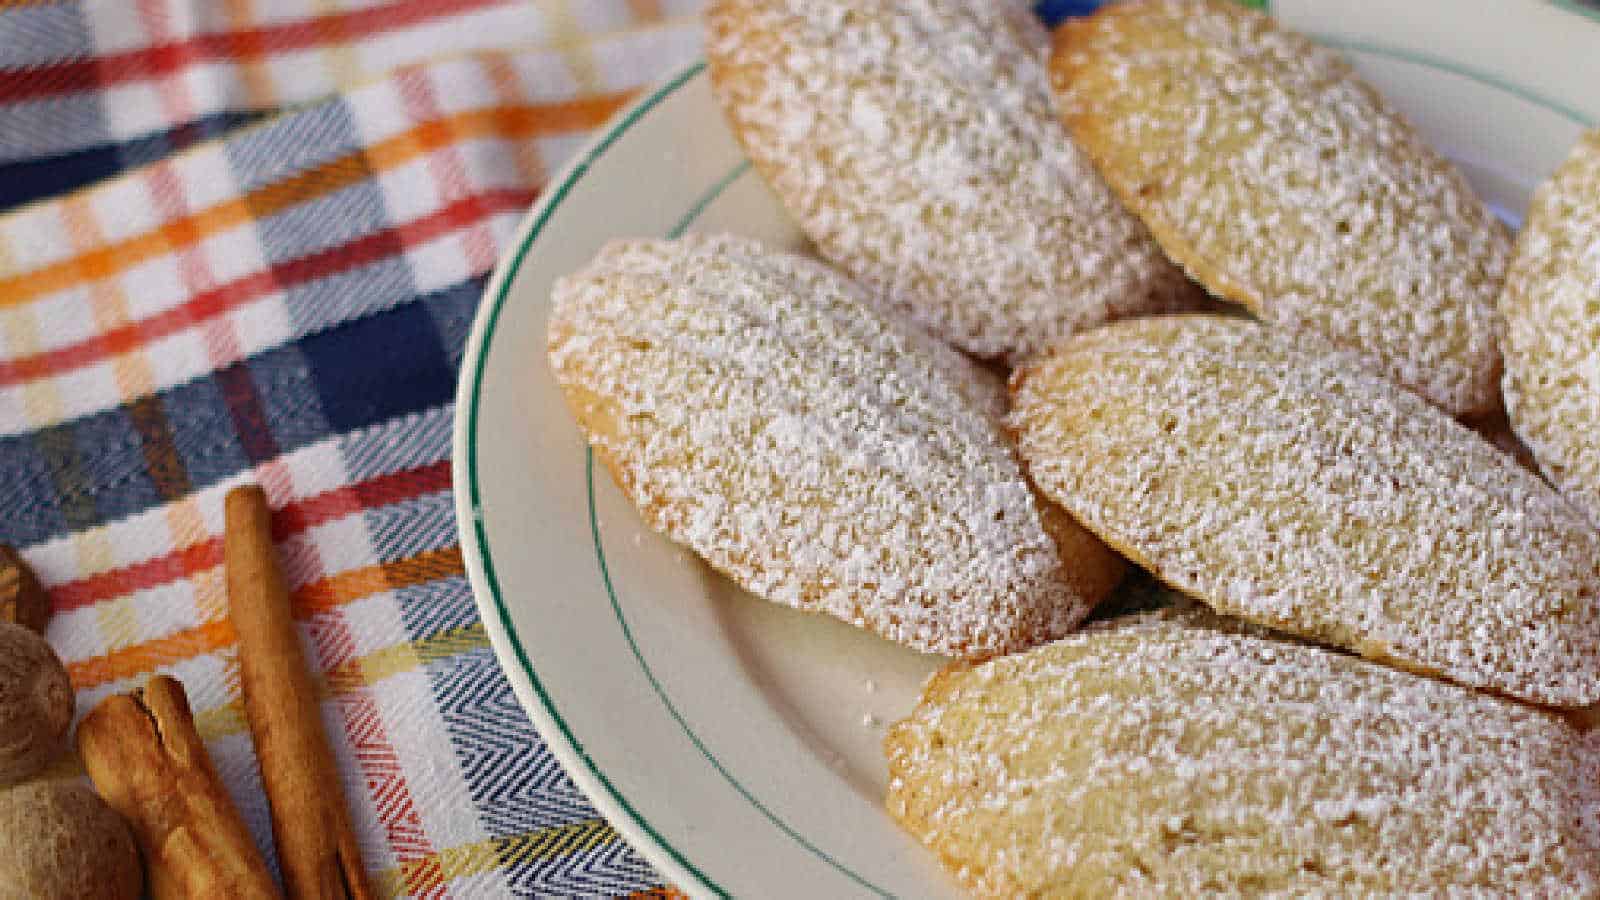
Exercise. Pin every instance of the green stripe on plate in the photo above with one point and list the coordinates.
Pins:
(706, 199)
(1481, 76)
(1587, 10)
(474, 486)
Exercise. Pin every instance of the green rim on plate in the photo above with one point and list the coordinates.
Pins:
(681, 868)
(496, 304)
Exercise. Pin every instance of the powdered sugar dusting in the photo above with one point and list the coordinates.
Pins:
(1281, 181)
(1276, 481)
(1551, 307)
(916, 144)
(757, 408)
(1162, 758)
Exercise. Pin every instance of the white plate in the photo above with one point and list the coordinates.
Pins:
(735, 743)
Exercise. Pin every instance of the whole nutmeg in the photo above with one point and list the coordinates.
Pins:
(35, 704)
(60, 841)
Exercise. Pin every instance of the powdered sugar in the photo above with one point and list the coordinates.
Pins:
(758, 409)
(1161, 758)
(1551, 306)
(1281, 181)
(916, 144)
(1275, 481)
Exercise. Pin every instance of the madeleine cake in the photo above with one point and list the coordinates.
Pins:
(1274, 479)
(1281, 181)
(761, 410)
(1158, 758)
(1551, 307)
(916, 144)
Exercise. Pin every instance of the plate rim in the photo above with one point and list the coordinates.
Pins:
(479, 564)
(530, 691)
(525, 682)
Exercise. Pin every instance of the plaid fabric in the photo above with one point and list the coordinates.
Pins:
(90, 89)
(288, 303)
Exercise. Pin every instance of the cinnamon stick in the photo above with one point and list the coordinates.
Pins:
(310, 822)
(22, 599)
(1587, 718)
(145, 758)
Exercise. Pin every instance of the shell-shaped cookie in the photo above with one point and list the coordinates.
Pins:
(1160, 759)
(1551, 307)
(1279, 180)
(759, 409)
(1273, 479)
(916, 144)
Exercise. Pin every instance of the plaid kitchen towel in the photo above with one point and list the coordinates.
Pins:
(286, 300)
(92, 89)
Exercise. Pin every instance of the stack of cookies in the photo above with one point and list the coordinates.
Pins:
(1245, 310)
